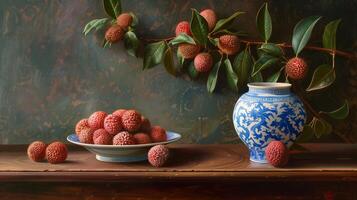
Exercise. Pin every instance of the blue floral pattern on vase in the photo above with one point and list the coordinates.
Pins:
(267, 112)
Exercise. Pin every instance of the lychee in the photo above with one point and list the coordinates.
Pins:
(158, 134)
(124, 20)
(112, 124)
(142, 138)
(96, 120)
(36, 151)
(189, 51)
(145, 125)
(86, 136)
(277, 154)
(101, 136)
(56, 152)
(131, 120)
(158, 155)
(119, 112)
(296, 68)
(203, 62)
(228, 44)
(210, 17)
(114, 33)
(123, 138)
(82, 124)
(183, 27)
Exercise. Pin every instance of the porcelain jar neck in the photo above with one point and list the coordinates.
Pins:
(269, 88)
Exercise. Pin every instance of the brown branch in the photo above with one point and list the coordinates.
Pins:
(348, 55)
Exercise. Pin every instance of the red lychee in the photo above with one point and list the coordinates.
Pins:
(277, 154)
(228, 44)
(56, 152)
(86, 136)
(145, 125)
(119, 112)
(183, 27)
(36, 151)
(296, 68)
(101, 136)
(131, 120)
(96, 120)
(82, 124)
(158, 134)
(203, 62)
(123, 138)
(124, 20)
(114, 33)
(112, 124)
(158, 155)
(142, 138)
(189, 51)
(210, 17)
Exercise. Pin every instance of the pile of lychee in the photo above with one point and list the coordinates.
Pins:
(122, 127)
(56, 152)
(203, 61)
(116, 32)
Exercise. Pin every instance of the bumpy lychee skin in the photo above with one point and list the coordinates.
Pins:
(96, 120)
(228, 44)
(101, 136)
(277, 154)
(296, 68)
(86, 136)
(142, 138)
(203, 62)
(183, 27)
(119, 112)
(158, 134)
(210, 17)
(114, 33)
(82, 124)
(158, 155)
(123, 138)
(36, 151)
(112, 124)
(145, 125)
(189, 51)
(131, 120)
(56, 152)
(124, 20)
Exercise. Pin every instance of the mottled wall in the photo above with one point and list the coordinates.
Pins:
(51, 76)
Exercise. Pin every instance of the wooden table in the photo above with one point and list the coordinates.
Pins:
(194, 171)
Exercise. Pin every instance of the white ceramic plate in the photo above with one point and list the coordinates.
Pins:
(122, 153)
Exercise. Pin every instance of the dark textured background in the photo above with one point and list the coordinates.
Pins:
(51, 76)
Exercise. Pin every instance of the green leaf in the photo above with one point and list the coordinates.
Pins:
(131, 43)
(95, 24)
(232, 78)
(263, 21)
(263, 63)
(106, 44)
(169, 62)
(257, 78)
(112, 8)
(324, 75)
(154, 54)
(192, 72)
(340, 113)
(302, 33)
(135, 19)
(329, 36)
(275, 77)
(182, 38)
(307, 134)
(213, 76)
(242, 65)
(271, 49)
(199, 28)
(320, 127)
(225, 23)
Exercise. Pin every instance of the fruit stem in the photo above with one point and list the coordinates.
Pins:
(330, 51)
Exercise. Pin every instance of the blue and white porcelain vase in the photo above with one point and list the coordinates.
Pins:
(267, 112)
